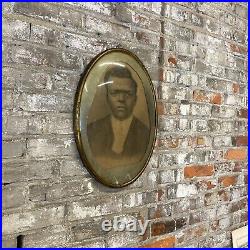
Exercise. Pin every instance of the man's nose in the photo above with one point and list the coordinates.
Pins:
(121, 97)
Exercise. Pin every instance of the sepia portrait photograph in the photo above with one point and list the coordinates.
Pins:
(119, 128)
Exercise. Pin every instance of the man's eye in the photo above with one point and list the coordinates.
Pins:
(116, 93)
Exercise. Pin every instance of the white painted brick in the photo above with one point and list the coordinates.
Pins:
(185, 190)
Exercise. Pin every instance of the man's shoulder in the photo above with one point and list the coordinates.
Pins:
(99, 122)
(140, 125)
(139, 131)
(99, 127)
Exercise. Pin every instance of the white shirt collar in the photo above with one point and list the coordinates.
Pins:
(120, 130)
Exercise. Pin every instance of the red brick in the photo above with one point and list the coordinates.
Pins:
(236, 154)
(216, 99)
(246, 178)
(156, 214)
(172, 60)
(161, 74)
(197, 231)
(238, 49)
(158, 228)
(240, 140)
(239, 166)
(160, 108)
(244, 216)
(243, 203)
(173, 143)
(236, 88)
(239, 205)
(242, 113)
(162, 227)
(200, 96)
(204, 170)
(160, 194)
(168, 242)
(210, 185)
(227, 181)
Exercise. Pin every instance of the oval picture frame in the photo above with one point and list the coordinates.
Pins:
(115, 117)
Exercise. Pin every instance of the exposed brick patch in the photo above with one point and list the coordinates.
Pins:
(160, 108)
(236, 154)
(216, 99)
(246, 178)
(204, 170)
(172, 60)
(200, 96)
(240, 141)
(236, 88)
(161, 74)
(159, 228)
(239, 205)
(164, 243)
(239, 166)
(244, 216)
(238, 49)
(227, 181)
(242, 113)
(207, 97)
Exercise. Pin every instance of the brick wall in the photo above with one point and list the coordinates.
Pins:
(194, 190)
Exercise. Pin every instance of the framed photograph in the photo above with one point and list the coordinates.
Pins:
(115, 117)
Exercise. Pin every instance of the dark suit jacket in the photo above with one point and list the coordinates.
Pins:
(100, 136)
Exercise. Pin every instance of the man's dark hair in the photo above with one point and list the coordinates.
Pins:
(121, 72)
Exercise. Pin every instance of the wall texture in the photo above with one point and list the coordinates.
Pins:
(194, 190)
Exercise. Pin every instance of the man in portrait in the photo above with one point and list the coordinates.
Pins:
(119, 138)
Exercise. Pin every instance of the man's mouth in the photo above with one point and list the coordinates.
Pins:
(121, 108)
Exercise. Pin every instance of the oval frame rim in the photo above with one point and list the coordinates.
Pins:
(76, 116)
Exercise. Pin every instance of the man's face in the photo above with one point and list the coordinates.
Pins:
(121, 97)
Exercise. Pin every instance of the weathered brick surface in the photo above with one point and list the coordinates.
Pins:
(54, 236)
(13, 196)
(21, 221)
(194, 189)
